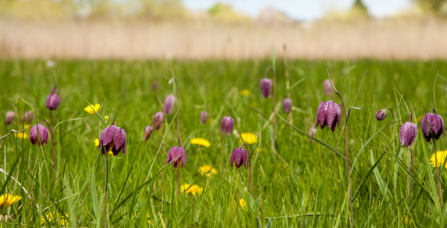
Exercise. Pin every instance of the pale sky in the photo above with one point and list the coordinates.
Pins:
(303, 9)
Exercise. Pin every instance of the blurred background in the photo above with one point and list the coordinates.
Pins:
(223, 29)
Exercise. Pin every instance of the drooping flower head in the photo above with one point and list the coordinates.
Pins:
(43, 134)
(112, 138)
(239, 157)
(177, 155)
(287, 105)
(10, 116)
(266, 87)
(159, 117)
(27, 117)
(408, 133)
(436, 124)
(168, 105)
(381, 114)
(328, 113)
(226, 126)
(53, 100)
(147, 132)
(203, 117)
(327, 87)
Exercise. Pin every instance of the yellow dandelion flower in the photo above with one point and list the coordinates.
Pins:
(440, 155)
(7, 199)
(249, 138)
(194, 189)
(243, 204)
(21, 135)
(90, 110)
(207, 170)
(200, 142)
(245, 92)
(55, 217)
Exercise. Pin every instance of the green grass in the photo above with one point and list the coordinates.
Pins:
(305, 186)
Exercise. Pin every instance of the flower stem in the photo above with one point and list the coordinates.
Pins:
(178, 182)
(392, 114)
(249, 168)
(411, 173)
(347, 157)
(223, 154)
(52, 144)
(105, 192)
(437, 174)
(274, 104)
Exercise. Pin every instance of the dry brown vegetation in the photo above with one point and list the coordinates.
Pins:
(381, 39)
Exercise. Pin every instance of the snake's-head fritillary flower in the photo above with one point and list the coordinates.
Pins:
(177, 155)
(436, 124)
(148, 132)
(43, 134)
(408, 133)
(7, 200)
(92, 108)
(53, 100)
(168, 105)
(203, 117)
(28, 117)
(328, 113)
(327, 87)
(266, 87)
(159, 117)
(287, 105)
(112, 138)
(10, 116)
(226, 125)
(238, 157)
(381, 114)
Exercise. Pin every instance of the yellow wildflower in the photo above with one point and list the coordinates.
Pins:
(440, 155)
(249, 138)
(245, 92)
(206, 169)
(21, 135)
(191, 189)
(90, 110)
(243, 204)
(200, 141)
(7, 199)
(147, 216)
(55, 217)
(106, 118)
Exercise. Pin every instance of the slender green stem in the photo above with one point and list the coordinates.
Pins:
(274, 104)
(249, 168)
(223, 155)
(411, 173)
(392, 114)
(347, 156)
(437, 174)
(105, 191)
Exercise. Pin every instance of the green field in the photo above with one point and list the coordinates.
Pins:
(304, 186)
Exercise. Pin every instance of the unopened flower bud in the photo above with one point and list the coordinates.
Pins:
(266, 87)
(9, 117)
(53, 100)
(168, 105)
(28, 117)
(147, 132)
(287, 105)
(159, 117)
(381, 114)
(203, 117)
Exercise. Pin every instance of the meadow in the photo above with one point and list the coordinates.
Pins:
(303, 185)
